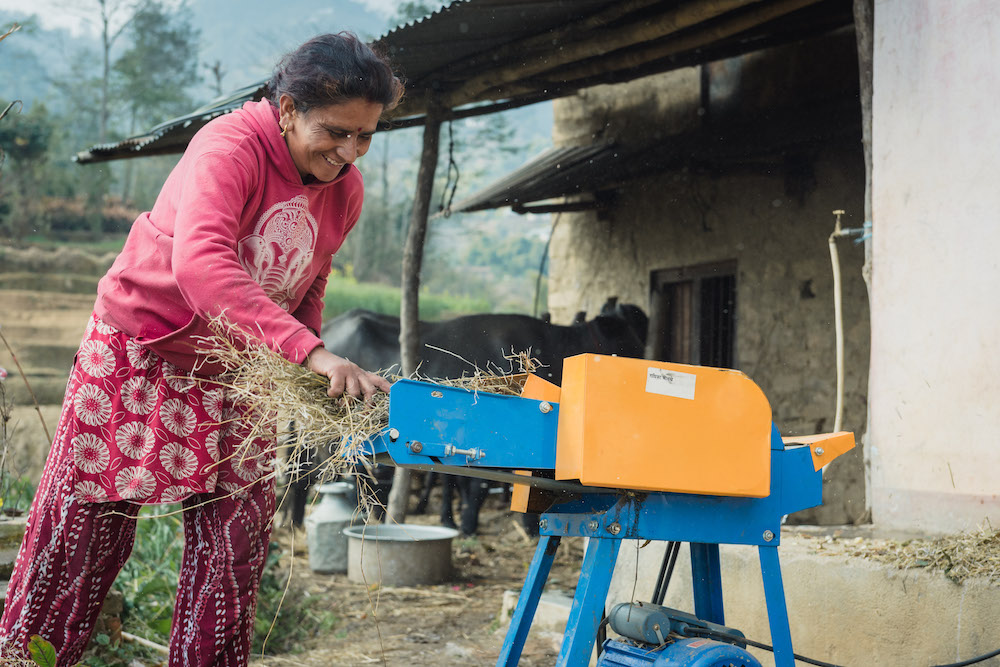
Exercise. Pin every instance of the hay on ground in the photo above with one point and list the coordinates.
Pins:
(959, 557)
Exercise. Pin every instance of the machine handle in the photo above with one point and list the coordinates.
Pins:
(444, 450)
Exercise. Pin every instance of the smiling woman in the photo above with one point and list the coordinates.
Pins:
(246, 225)
(323, 141)
(327, 118)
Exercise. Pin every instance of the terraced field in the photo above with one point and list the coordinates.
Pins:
(43, 313)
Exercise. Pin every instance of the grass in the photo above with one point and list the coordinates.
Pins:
(343, 294)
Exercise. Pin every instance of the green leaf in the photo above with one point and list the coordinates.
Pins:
(102, 639)
(155, 586)
(42, 652)
(162, 626)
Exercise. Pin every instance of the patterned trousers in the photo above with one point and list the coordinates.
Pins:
(72, 552)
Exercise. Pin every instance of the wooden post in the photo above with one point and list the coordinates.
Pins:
(409, 316)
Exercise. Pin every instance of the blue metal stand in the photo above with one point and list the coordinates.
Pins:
(706, 581)
(527, 602)
(595, 580)
(459, 431)
(588, 604)
(777, 612)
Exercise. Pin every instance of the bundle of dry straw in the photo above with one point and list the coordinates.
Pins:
(329, 433)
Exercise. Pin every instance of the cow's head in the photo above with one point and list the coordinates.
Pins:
(621, 329)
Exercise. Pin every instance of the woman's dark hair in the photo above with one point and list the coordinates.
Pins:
(330, 69)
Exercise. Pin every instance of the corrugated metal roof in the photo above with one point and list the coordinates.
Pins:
(173, 135)
(555, 173)
(462, 38)
(524, 51)
(579, 170)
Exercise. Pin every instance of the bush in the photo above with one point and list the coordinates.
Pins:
(69, 218)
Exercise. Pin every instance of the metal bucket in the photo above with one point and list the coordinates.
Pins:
(399, 555)
(325, 528)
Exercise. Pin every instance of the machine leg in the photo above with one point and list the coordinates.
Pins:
(777, 612)
(527, 602)
(706, 577)
(588, 603)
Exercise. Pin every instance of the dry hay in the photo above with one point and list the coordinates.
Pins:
(273, 392)
(959, 557)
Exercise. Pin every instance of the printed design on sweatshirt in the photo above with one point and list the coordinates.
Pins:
(278, 254)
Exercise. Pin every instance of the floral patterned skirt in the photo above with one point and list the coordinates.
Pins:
(143, 430)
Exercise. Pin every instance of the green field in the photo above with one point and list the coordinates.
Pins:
(343, 294)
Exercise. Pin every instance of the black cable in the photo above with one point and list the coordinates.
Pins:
(666, 572)
(663, 573)
(742, 640)
(602, 634)
(448, 183)
(541, 264)
(733, 639)
(972, 661)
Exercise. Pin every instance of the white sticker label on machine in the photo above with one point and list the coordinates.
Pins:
(670, 383)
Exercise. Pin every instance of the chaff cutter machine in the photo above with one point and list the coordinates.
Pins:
(627, 449)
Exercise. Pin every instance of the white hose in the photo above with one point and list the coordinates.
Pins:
(838, 319)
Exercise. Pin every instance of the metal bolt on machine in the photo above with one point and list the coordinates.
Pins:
(627, 449)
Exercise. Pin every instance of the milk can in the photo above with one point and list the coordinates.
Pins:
(324, 528)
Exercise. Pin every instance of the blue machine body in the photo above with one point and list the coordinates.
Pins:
(465, 432)
(687, 652)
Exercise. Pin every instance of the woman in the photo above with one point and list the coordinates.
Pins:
(244, 226)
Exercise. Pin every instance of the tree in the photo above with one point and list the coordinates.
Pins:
(24, 138)
(153, 75)
(78, 125)
(113, 18)
(217, 74)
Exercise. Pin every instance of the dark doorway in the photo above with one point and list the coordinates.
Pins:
(693, 315)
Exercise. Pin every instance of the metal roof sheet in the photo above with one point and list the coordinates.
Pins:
(516, 52)
(555, 173)
(580, 170)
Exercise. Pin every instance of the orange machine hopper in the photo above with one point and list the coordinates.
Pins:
(656, 426)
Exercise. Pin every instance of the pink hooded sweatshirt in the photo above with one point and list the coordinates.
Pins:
(233, 230)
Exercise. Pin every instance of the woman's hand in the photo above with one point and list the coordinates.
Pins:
(345, 376)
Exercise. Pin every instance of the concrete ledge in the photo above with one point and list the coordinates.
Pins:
(549, 623)
(842, 609)
(12, 532)
(551, 615)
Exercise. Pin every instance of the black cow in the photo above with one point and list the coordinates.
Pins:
(450, 348)
(371, 340)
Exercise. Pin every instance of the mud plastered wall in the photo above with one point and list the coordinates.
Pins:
(773, 221)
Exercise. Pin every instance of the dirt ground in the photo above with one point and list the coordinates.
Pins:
(456, 623)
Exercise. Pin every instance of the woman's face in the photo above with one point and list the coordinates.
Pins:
(324, 139)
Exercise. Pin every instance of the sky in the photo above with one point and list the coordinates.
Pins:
(245, 36)
(53, 13)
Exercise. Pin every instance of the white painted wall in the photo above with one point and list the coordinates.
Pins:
(935, 367)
